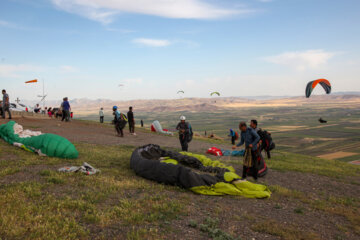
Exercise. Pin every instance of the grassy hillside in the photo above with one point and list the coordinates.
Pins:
(294, 129)
(37, 202)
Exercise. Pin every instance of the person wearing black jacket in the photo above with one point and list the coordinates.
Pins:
(184, 133)
(131, 120)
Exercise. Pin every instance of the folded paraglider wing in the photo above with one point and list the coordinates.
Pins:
(311, 85)
(209, 178)
(44, 144)
(156, 127)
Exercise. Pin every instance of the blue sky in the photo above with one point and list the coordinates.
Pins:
(86, 48)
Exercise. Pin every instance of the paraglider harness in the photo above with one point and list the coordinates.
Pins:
(191, 133)
(122, 119)
(267, 143)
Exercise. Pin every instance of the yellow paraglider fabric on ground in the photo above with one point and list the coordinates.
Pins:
(207, 162)
(233, 184)
(170, 161)
(239, 188)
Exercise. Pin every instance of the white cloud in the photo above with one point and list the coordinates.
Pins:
(104, 11)
(67, 69)
(13, 71)
(152, 42)
(303, 60)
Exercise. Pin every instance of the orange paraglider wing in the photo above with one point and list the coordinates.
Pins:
(311, 85)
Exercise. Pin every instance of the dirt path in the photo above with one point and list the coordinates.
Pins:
(88, 132)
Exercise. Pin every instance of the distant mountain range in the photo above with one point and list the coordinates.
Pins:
(88, 106)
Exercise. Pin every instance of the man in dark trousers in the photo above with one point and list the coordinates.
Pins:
(66, 109)
(184, 133)
(142, 123)
(119, 121)
(5, 104)
(131, 120)
(251, 139)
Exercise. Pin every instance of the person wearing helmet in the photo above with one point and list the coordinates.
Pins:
(119, 121)
(185, 133)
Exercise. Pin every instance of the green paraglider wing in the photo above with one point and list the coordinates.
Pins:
(181, 91)
(45, 144)
(217, 93)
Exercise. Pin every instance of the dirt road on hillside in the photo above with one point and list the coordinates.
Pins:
(96, 133)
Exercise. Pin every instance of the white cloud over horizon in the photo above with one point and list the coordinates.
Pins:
(303, 60)
(152, 42)
(104, 11)
(15, 70)
(67, 69)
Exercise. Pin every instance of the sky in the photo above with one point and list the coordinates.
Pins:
(151, 49)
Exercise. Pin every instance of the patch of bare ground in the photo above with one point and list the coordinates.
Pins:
(25, 174)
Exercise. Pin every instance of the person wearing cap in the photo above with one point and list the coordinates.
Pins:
(184, 133)
(119, 121)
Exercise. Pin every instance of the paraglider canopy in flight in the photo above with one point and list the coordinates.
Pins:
(32, 81)
(180, 91)
(217, 93)
(323, 82)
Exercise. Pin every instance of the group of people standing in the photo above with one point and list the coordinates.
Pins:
(249, 136)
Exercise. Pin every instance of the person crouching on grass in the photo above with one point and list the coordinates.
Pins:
(250, 138)
(119, 121)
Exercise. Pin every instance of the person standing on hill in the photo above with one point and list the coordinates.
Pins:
(66, 109)
(142, 123)
(131, 120)
(5, 104)
(251, 139)
(184, 133)
(62, 110)
(119, 121)
(101, 114)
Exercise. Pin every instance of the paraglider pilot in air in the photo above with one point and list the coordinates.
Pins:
(184, 133)
(251, 139)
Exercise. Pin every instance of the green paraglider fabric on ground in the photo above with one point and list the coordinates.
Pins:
(47, 144)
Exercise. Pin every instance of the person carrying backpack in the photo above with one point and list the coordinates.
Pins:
(185, 133)
(266, 143)
(120, 121)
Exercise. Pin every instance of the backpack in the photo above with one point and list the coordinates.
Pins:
(267, 142)
(236, 136)
(191, 133)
